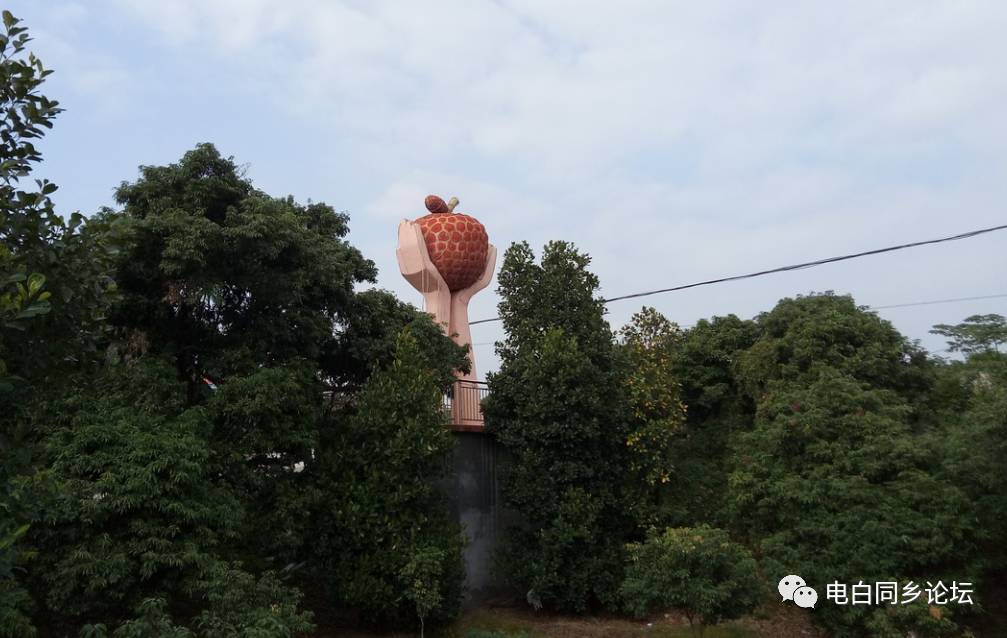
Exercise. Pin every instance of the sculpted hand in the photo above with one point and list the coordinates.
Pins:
(416, 267)
(459, 325)
(465, 294)
(414, 261)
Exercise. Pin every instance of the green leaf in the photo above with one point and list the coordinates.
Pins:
(13, 536)
(35, 283)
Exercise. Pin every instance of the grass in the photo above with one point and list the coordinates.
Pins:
(508, 623)
(518, 622)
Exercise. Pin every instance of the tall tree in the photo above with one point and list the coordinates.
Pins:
(656, 412)
(238, 314)
(558, 405)
(255, 294)
(837, 480)
(224, 278)
(241, 292)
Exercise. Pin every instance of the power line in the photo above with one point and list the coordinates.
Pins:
(930, 303)
(897, 305)
(807, 264)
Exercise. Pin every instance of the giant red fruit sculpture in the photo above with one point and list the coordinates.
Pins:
(457, 243)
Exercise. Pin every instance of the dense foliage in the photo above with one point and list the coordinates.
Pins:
(716, 409)
(384, 540)
(556, 405)
(697, 570)
(589, 422)
(210, 367)
(53, 296)
(835, 448)
(656, 411)
(816, 434)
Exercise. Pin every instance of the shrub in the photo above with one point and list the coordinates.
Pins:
(696, 570)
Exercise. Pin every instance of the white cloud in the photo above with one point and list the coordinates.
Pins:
(673, 141)
(571, 87)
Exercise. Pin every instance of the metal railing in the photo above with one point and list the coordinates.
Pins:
(463, 402)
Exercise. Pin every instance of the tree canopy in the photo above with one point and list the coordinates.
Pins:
(978, 333)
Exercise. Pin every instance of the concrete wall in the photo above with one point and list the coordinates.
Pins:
(473, 491)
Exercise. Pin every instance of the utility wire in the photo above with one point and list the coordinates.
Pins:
(897, 305)
(807, 264)
(930, 303)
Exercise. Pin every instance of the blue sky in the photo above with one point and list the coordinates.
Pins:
(673, 142)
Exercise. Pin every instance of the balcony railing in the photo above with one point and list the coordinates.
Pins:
(463, 404)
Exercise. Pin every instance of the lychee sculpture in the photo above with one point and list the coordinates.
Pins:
(448, 258)
(457, 243)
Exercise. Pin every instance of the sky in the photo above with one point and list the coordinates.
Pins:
(672, 141)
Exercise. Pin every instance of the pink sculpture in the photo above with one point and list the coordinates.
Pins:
(448, 258)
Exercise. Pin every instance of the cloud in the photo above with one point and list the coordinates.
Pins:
(673, 141)
(575, 89)
(90, 74)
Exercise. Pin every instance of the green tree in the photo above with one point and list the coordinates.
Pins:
(804, 334)
(237, 314)
(54, 272)
(840, 476)
(422, 576)
(832, 484)
(384, 541)
(241, 292)
(224, 278)
(698, 571)
(970, 403)
(978, 333)
(648, 345)
(704, 362)
(558, 405)
(130, 505)
(254, 294)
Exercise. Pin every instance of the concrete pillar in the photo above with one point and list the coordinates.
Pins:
(473, 490)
